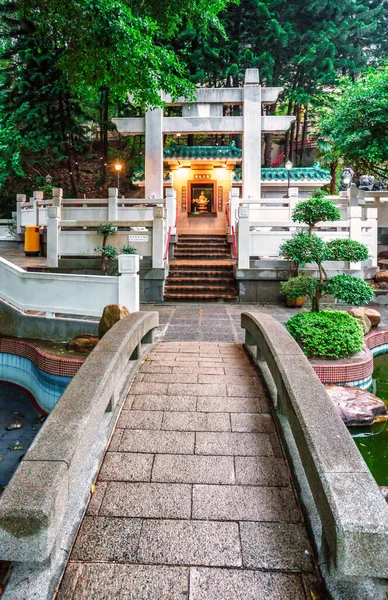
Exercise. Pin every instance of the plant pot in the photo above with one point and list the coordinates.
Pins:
(295, 302)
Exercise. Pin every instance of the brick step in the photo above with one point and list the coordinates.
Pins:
(200, 246)
(192, 236)
(182, 289)
(200, 280)
(203, 297)
(193, 254)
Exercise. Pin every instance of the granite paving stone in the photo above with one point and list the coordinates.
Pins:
(237, 444)
(190, 542)
(280, 546)
(243, 503)
(261, 470)
(140, 419)
(156, 368)
(149, 388)
(198, 370)
(249, 422)
(196, 421)
(187, 377)
(178, 403)
(115, 440)
(232, 584)
(97, 497)
(164, 442)
(147, 500)
(177, 468)
(250, 379)
(126, 466)
(106, 539)
(196, 389)
(247, 390)
(216, 404)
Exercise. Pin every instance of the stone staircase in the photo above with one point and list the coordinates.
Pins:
(202, 269)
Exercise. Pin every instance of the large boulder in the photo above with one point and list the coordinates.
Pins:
(111, 315)
(356, 406)
(381, 276)
(359, 314)
(373, 315)
(83, 343)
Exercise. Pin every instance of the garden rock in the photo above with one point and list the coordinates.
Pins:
(356, 406)
(384, 491)
(111, 315)
(381, 276)
(83, 343)
(359, 314)
(372, 314)
(17, 423)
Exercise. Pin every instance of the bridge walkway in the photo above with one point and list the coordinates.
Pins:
(194, 499)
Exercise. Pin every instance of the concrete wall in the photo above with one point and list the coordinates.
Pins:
(15, 323)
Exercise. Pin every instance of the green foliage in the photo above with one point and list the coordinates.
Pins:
(303, 249)
(349, 289)
(106, 229)
(347, 250)
(109, 251)
(326, 334)
(314, 210)
(299, 286)
(128, 249)
(358, 122)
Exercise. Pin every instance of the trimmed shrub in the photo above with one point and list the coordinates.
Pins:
(326, 334)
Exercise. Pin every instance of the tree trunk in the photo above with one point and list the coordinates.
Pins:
(66, 146)
(105, 116)
(268, 149)
(304, 134)
(333, 173)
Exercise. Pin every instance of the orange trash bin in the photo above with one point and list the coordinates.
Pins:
(32, 241)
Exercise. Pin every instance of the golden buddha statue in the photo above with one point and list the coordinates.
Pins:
(202, 203)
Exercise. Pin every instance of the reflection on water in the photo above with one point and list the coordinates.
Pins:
(16, 407)
(373, 441)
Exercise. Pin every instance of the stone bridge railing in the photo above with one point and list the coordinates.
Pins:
(41, 508)
(346, 511)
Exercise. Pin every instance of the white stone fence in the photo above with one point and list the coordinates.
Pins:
(263, 238)
(70, 294)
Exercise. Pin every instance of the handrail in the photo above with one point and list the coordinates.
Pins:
(335, 483)
(52, 483)
(234, 243)
(167, 244)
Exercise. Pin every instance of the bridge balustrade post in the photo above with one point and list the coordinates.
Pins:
(128, 282)
(372, 215)
(112, 204)
(19, 199)
(243, 242)
(171, 208)
(53, 217)
(159, 213)
(57, 197)
(36, 197)
(355, 215)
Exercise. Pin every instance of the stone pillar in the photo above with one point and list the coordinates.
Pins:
(154, 154)
(243, 238)
(36, 197)
(355, 214)
(53, 217)
(158, 227)
(57, 197)
(293, 199)
(171, 208)
(251, 151)
(234, 200)
(128, 282)
(112, 204)
(372, 215)
(19, 199)
(353, 196)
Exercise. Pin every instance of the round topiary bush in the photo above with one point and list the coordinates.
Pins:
(326, 334)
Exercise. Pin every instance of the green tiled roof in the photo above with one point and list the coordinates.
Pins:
(202, 152)
(140, 176)
(314, 173)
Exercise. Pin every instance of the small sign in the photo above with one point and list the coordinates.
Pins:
(136, 237)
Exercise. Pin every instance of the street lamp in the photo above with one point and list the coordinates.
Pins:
(118, 167)
(288, 166)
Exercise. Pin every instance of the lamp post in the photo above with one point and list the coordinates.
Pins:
(288, 166)
(118, 167)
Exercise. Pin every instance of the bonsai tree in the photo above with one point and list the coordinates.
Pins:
(306, 248)
(324, 334)
(109, 253)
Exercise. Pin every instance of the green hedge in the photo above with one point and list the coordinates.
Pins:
(326, 334)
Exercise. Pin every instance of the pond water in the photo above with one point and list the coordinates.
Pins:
(15, 406)
(373, 441)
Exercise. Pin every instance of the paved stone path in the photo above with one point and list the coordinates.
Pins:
(194, 499)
